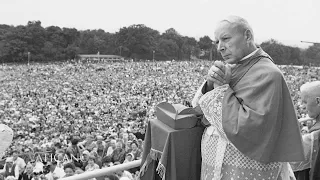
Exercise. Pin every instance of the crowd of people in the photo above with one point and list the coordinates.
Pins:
(93, 115)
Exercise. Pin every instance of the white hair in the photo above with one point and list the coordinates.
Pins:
(239, 22)
(311, 88)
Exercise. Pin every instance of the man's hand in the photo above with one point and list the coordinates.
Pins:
(220, 74)
(216, 74)
(228, 72)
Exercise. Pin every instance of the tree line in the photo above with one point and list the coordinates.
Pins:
(135, 42)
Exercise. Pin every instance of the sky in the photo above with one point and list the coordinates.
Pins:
(287, 21)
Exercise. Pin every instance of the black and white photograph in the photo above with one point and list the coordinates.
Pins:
(159, 90)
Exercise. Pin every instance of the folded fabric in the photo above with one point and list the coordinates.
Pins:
(177, 116)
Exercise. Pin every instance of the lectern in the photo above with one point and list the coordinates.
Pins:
(172, 145)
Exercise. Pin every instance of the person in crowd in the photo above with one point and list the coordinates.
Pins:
(79, 171)
(91, 164)
(128, 148)
(252, 129)
(18, 161)
(107, 162)
(111, 148)
(111, 177)
(69, 169)
(37, 166)
(99, 150)
(118, 155)
(140, 143)
(135, 150)
(58, 148)
(85, 159)
(309, 169)
(28, 173)
(10, 169)
(73, 149)
(136, 154)
(55, 171)
(88, 144)
(60, 159)
(129, 158)
(131, 137)
(124, 175)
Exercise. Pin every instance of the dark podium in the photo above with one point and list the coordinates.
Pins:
(171, 153)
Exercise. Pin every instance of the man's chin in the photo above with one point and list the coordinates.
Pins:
(230, 61)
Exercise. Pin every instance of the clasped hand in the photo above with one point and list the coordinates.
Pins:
(219, 74)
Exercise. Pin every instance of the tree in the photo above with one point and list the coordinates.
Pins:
(172, 34)
(35, 38)
(139, 41)
(205, 43)
(136, 41)
(15, 45)
(55, 44)
(275, 50)
(167, 49)
(71, 35)
(312, 54)
(190, 47)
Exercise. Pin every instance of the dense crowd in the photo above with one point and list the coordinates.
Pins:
(97, 112)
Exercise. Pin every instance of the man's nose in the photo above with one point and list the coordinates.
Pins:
(221, 46)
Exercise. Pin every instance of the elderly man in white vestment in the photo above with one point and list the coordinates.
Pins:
(252, 130)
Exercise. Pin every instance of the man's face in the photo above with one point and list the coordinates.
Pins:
(69, 172)
(113, 144)
(15, 156)
(99, 141)
(60, 157)
(86, 157)
(131, 136)
(312, 104)
(231, 42)
(91, 161)
(129, 158)
(29, 169)
(119, 145)
(134, 146)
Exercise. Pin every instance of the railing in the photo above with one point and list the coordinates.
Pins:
(104, 171)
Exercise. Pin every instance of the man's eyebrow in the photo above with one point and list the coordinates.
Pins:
(224, 35)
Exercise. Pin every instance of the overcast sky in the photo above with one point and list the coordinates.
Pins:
(288, 21)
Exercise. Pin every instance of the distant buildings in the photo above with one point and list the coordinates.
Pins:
(100, 57)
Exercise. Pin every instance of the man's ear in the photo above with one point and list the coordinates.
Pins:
(248, 34)
(318, 101)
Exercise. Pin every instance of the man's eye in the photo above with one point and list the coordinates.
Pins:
(225, 38)
(216, 42)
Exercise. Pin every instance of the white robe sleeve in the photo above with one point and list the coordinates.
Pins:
(198, 95)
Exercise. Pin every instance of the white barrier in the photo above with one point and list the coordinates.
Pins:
(104, 171)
